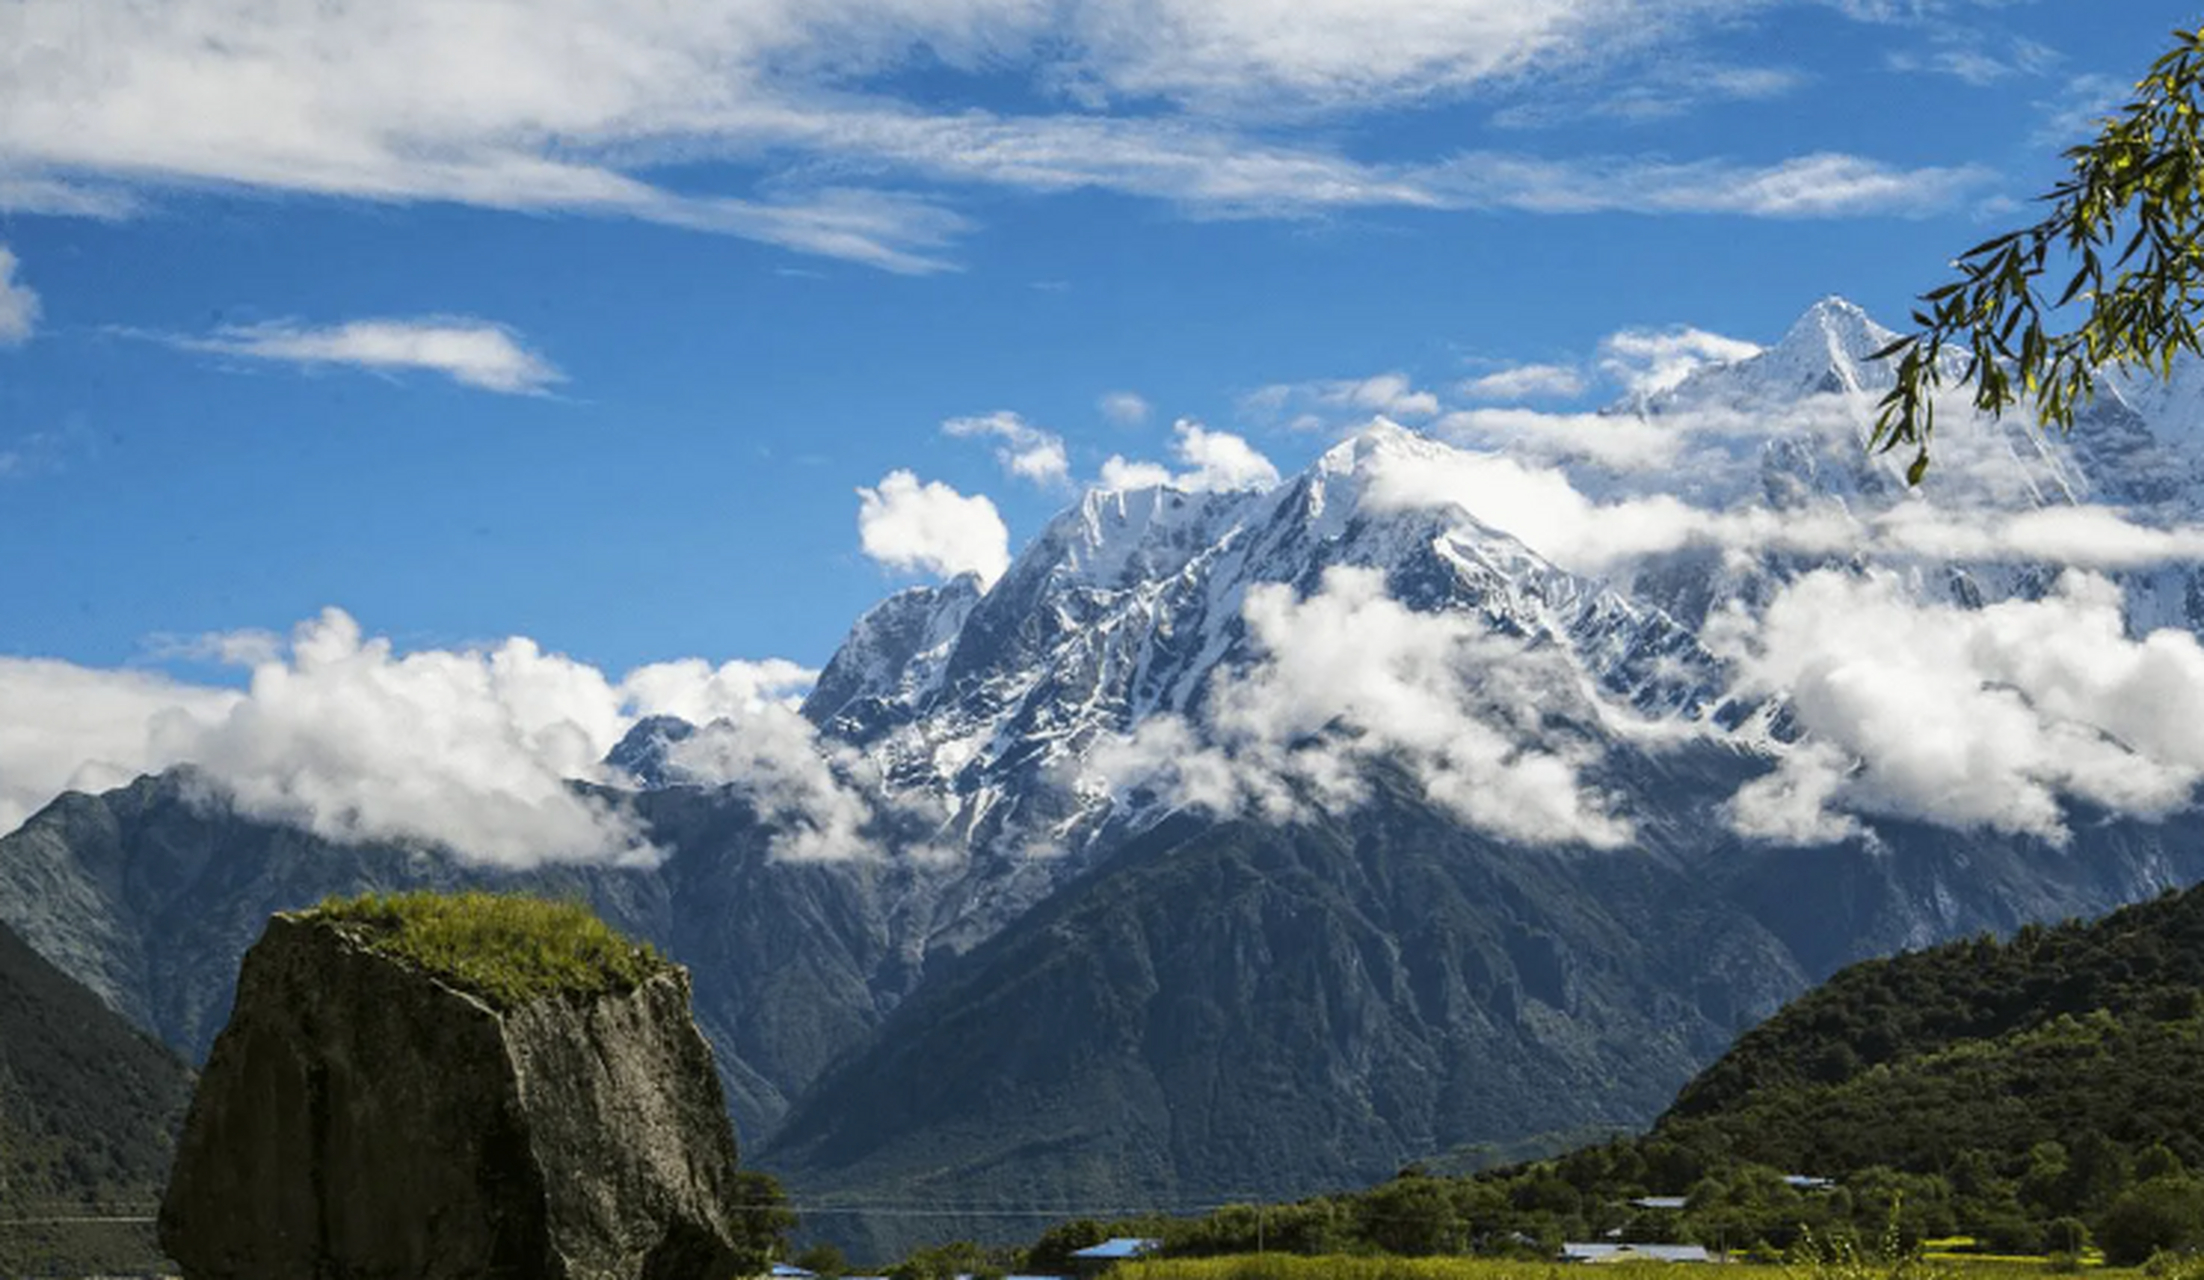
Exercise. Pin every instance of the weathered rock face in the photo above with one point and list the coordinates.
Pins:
(360, 1118)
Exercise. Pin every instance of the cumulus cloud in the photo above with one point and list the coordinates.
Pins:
(931, 528)
(472, 750)
(774, 758)
(1024, 451)
(1315, 406)
(1216, 461)
(701, 693)
(470, 352)
(1349, 677)
(1983, 717)
(511, 106)
(1125, 408)
(68, 728)
(1526, 382)
(18, 303)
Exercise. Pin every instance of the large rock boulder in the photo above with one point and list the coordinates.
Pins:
(443, 1087)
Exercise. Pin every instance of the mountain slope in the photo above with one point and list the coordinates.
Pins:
(89, 1112)
(151, 894)
(2078, 1029)
(1239, 1009)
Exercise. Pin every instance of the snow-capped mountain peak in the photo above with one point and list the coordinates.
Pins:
(1827, 351)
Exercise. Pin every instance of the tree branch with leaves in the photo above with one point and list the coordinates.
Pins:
(2135, 185)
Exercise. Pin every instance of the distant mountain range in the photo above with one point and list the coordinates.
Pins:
(1160, 909)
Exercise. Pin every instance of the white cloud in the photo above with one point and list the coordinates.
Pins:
(470, 749)
(18, 304)
(931, 527)
(1349, 677)
(1217, 461)
(1026, 451)
(1649, 361)
(1314, 406)
(1526, 382)
(774, 758)
(65, 727)
(2079, 108)
(1125, 408)
(701, 693)
(505, 104)
(1966, 717)
(1669, 88)
(1523, 494)
(471, 352)
(1821, 185)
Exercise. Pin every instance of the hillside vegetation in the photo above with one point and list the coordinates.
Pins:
(2034, 1095)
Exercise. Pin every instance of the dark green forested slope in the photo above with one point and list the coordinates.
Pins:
(2145, 960)
(89, 1109)
(2036, 1094)
(2085, 1029)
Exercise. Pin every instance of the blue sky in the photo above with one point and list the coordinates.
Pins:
(475, 321)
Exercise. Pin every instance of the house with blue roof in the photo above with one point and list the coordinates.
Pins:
(1096, 1259)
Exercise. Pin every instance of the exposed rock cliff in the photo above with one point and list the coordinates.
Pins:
(370, 1114)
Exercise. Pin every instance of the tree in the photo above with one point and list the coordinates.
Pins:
(2163, 1213)
(1051, 1254)
(762, 1219)
(2136, 185)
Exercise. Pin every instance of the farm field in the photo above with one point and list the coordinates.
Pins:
(1279, 1266)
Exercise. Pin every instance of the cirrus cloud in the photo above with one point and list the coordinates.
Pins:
(473, 353)
(580, 107)
(18, 303)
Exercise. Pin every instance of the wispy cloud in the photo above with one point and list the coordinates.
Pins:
(1648, 361)
(1326, 403)
(1024, 450)
(18, 303)
(1823, 185)
(1526, 382)
(1201, 103)
(1976, 58)
(473, 353)
(1125, 408)
(2079, 107)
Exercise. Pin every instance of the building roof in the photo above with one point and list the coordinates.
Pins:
(1659, 1202)
(790, 1271)
(1120, 1247)
(1802, 1182)
(1593, 1252)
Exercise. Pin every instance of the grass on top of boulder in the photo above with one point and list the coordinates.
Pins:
(507, 948)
